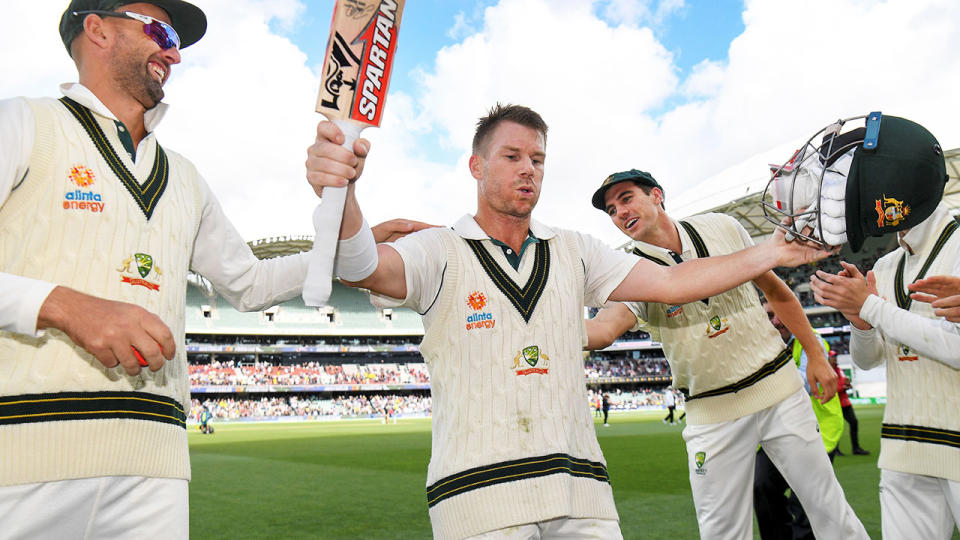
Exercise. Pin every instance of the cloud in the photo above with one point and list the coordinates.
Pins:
(241, 104)
(635, 12)
(242, 111)
(460, 26)
(242, 100)
(32, 57)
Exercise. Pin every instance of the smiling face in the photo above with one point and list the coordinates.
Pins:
(633, 211)
(138, 65)
(509, 170)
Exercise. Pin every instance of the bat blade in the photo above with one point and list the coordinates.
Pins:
(359, 59)
(356, 74)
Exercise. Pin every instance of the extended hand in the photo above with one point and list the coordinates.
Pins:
(942, 293)
(329, 164)
(796, 252)
(108, 330)
(392, 230)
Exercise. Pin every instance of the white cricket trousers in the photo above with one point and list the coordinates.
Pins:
(721, 458)
(109, 507)
(558, 529)
(916, 506)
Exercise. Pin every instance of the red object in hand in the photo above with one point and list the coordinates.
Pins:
(140, 359)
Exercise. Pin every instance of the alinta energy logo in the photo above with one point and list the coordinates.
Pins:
(479, 318)
(83, 198)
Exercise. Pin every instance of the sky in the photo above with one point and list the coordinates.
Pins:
(702, 94)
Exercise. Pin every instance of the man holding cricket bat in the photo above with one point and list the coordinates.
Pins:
(99, 226)
(514, 451)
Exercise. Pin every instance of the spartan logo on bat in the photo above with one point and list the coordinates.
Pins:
(341, 59)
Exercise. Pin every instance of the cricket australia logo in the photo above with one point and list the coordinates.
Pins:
(717, 326)
(904, 354)
(533, 357)
(700, 458)
(84, 198)
(890, 211)
(144, 268)
(479, 318)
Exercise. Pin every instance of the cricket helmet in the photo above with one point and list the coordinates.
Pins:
(858, 177)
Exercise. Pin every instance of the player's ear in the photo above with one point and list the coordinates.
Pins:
(657, 194)
(94, 30)
(476, 166)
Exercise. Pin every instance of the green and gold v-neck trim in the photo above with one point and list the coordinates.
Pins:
(903, 296)
(146, 195)
(523, 299)
(698, 245)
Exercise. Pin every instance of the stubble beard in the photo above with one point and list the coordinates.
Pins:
(134, 76)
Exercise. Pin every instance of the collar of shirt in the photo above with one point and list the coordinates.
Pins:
(686, 246)
(82, 95)
(467, 227)
(919, 240)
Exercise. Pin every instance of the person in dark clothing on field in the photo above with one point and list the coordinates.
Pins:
(606, 409)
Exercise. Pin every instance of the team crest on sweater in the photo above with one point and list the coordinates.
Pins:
(479, 318)
(143, 265)
(716, 325)
(531, 361)
(81, 195)
(904, 354)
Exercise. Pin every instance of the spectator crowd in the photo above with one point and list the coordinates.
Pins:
(358, 405)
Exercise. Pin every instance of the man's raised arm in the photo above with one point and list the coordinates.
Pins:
(360, 262)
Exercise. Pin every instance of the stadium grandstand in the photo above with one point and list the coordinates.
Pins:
(350, 359)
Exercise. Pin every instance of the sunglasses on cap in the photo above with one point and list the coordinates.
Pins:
(160, 32)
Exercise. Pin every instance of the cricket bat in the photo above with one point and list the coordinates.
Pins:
(356, 73)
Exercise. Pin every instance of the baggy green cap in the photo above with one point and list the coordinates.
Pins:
(187, 19)
(633, 175)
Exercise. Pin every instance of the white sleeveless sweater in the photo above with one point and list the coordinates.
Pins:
(73, 222)
(513, 438)
(724, 354)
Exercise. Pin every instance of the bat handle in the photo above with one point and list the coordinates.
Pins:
(326, 223)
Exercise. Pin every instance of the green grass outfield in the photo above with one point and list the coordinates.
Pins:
(363, 479)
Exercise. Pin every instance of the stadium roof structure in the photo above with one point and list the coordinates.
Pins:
(743, 198)
(268, 248)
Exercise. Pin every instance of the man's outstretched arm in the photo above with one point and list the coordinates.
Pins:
(360, 262)
(710, 276)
